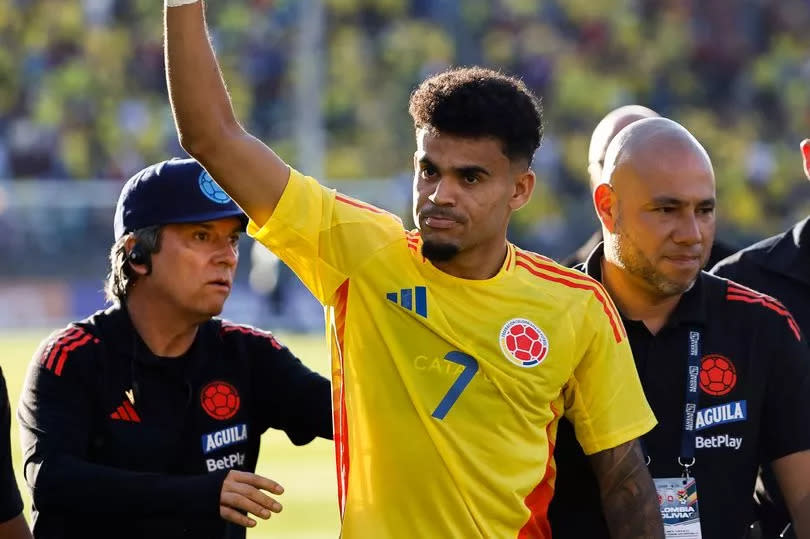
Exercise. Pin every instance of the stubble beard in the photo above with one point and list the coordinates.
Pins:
(629, 256)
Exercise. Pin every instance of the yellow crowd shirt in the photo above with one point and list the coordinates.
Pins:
(447, 391)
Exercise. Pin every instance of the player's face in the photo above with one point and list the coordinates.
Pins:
(195, 266)
(465, 190)
(665, 223)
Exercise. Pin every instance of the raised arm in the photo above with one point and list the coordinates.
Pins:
(629, 500)
(206, 124)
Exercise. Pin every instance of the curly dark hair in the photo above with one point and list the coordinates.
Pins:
(477, 102)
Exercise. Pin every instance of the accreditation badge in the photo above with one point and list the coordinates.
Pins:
(677, 499)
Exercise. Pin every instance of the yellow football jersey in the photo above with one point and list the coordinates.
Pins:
(447, 391)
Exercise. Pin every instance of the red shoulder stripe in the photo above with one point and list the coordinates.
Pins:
(228, 327)
(52, 350)
(731, 296)
(69, 348)
(736, 291)
(54, 357)
(412, 241)
(535, 269)
(548, 265)
(358, 204)
(739, 289)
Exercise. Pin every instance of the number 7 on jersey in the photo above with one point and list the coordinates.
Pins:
(470, 368)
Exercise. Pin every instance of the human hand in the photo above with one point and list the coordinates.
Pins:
(243, 492)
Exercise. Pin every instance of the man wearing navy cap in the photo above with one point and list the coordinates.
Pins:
(144, 420)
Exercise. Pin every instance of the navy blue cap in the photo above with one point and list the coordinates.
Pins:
(174, 191)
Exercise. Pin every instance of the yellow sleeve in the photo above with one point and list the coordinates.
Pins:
(322, 235)
(604, 398)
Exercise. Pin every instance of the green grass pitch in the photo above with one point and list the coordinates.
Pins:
(307, 473)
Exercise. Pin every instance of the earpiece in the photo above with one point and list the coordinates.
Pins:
(137, 255)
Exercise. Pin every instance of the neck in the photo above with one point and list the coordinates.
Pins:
(480, 264)
(165, 332)
(635, 300)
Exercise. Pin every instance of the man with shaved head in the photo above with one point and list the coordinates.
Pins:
(779, 266)
(606, 130)
(725, 368)
(603, 134)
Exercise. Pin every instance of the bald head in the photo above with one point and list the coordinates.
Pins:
(606, 130)
(653, 145)
(656, 202)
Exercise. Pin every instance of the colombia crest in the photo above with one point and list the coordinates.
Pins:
(718, 375)
(220, 400)
(523, 343)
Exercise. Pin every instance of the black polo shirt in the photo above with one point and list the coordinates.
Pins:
(780, 267)
(118, 442)
(758, 411)
(10, 501)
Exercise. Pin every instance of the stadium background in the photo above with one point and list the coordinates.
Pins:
(325, 82)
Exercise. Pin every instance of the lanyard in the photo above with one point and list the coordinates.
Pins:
(687, 456)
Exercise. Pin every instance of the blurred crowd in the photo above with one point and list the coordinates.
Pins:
(84, 93)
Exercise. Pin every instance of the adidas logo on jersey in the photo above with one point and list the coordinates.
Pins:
(414, 299)
(126, 412)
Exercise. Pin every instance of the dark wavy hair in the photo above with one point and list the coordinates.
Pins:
(122, 276)
(476, 102)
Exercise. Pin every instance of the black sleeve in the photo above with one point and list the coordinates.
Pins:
(786, 417)
(289, 396)
(55, 416)
(10, 501)
(727, 269)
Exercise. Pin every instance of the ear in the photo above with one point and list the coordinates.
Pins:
(604, 201)
(805, 146)
(524, 187)
(140, 269)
